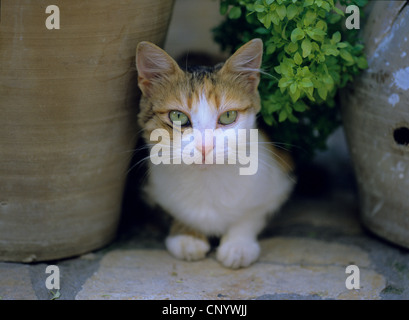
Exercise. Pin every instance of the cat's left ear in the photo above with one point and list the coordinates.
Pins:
(245, 63)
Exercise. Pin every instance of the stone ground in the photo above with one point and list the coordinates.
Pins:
(305, 251)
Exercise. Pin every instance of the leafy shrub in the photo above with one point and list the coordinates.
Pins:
(308, 56)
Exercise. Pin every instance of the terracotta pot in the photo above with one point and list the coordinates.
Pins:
(376, 121)
(68, 101)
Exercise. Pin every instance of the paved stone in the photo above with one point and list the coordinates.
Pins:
(337, 212)
(300, 266)
(15, 282)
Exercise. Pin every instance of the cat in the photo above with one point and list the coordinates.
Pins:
(204, 199)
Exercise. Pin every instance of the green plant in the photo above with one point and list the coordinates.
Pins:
(308, 56)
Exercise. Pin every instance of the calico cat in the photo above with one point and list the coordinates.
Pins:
(210, 199)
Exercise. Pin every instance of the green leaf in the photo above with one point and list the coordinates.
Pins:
(284, 82)
(297, 58)
(334, 18)
(268, 119)
(223, 7)
(282, 116)
(361, 3)
(297, 34)
(305, 71)
(288, 108)
(262, 30)
(265, 20)
(283, 32)
(322, 25)
(306, 83)
(309, 17)
(259, 8)
(286, 68)
(326, 6)
(293, 87)
(339, 11)
(281, 11)
(235, 13)
(55, 295)
(300, 106)
(358, 47)
(274, 107)
(296, 95)
(362, 63)
(292, 47)
(346, 55)
(319, 32)
(329, 49)
(316, 34)
(320, 58)
(292, 118)
(308, 3)
(306, 47)
(274, 18)
(310, 91)
(292, 11)
(336, 37)
(322, 92)
(271, 48)
(328, 80)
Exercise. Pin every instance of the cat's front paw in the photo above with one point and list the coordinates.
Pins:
(187, 247)
(238, 254)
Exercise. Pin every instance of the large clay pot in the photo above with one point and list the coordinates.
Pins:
(376, 121)
(68, 100)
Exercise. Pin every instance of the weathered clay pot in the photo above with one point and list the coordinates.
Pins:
(68, 101)
(376, 121)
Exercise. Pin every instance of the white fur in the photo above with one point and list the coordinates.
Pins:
(203, 114)
(187, 247)
(214, 198)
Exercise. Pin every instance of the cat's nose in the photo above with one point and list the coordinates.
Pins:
(205, 150)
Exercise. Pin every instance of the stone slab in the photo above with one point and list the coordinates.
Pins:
(15, 283)
(301, 266)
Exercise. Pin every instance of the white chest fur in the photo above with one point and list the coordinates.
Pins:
(213, 198)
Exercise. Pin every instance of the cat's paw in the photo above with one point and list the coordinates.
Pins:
(238, 254)
(187, 247)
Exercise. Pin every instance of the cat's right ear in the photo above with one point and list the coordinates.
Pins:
(154, 65)
(245, 63)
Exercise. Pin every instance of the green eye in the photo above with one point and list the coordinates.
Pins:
(179, 116)
(228, 117)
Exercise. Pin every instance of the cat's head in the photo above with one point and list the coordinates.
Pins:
(192, 101)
